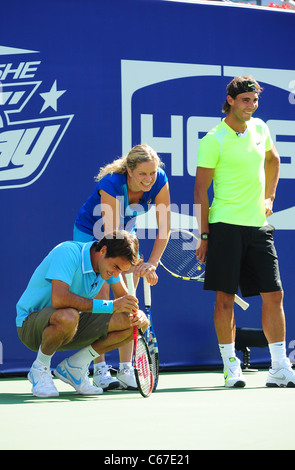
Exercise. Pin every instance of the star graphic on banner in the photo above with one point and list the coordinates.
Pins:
(50, 98)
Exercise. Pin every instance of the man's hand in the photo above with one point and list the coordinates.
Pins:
(201, 251)
(127, 303)
(268, 207)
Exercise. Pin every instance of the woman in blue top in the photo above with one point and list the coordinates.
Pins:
(126, 188)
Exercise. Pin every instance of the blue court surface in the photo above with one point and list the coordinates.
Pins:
(189, 411)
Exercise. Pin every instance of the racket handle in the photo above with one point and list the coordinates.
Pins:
(244, 305)
(147, 292)
(130, 284)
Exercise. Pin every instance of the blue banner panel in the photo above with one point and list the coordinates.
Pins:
(81, 82)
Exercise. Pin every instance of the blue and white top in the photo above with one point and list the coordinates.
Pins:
(115, 185)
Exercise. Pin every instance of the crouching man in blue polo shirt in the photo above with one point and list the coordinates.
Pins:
(58, 310)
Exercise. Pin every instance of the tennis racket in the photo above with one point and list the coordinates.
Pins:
(141, 359)
(179, 260)
(150, 334)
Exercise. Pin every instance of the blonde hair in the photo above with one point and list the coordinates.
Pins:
(138, 154)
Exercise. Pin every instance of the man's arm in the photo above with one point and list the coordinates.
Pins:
(61, 297)
(110, 212)
(203, 181)
(148, 269)
(272, 170)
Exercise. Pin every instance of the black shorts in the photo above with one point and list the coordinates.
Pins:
(91, 327)
(240, 256)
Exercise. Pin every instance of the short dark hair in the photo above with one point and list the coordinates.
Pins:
(120, 243)
(240, 85)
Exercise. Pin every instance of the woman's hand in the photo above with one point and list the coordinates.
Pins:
(147, 270)
(140, 320)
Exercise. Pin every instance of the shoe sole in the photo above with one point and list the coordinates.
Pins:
(128, 387)
(111, 386)
(238, 384)
(52, 395)
(276, 385)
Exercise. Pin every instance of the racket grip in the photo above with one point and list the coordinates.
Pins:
(147, 292)
(244, 305)
(130, 284)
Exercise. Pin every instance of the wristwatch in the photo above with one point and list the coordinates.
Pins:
(204, 236)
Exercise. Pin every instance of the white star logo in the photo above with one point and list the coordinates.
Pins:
(50, 98)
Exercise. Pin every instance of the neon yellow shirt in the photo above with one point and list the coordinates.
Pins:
(239, 177)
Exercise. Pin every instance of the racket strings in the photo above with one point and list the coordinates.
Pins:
(152, 345)
(143, 366)
(180, 256)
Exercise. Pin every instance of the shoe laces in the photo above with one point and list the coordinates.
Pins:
(234, 369)
(45, 377)
(126, 370)
(235, 372)
(104, 370)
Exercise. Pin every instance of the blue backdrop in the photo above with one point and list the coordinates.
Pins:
(82, 81)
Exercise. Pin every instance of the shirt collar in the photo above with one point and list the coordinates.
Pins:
(86, 259)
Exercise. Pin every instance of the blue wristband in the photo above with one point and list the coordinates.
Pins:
(102, 306)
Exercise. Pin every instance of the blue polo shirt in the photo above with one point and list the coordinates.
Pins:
(69, 262)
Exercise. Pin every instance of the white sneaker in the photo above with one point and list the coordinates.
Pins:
(77, 377)
(102, 378)
(127, 379)
(233, 373)
(281, 377)
(43, 386)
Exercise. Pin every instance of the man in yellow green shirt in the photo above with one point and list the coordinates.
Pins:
(236, 241)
